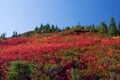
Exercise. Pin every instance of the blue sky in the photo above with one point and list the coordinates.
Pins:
(24, 15)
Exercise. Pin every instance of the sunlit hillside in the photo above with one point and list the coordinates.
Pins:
(62, 55)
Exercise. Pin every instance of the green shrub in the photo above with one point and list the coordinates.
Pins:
(19, 70)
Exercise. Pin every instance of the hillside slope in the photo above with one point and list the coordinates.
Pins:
(63, 56)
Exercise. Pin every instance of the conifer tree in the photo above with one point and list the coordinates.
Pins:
(47, 27)
(112, 31)
(119, 28)
(103, 29)
(92, 28)
(53, 28)
(41, 27)
(3, 35)
(14, 34)
(36, 30)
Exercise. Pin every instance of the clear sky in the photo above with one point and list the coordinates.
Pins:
(24, 15)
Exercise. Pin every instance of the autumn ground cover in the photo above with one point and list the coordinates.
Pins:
(63, 57)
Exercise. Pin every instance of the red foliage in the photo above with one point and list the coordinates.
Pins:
(89, 50)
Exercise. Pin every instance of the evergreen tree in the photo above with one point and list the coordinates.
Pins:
(41, 27)
(112, 31)
(53, 28)
(78, 26)
(103, 29)
(14, 34)
(97, 28)
(88, 27)
(92, 29)
(47, 27)
(119, 28)
(57, 28)
(67, 28)
(3, 35)
(37, 30)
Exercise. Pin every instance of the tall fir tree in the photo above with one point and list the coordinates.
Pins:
(78, 26)
(112, 30)
(14, 34)
(57, 29)
(3, 36)
(47, 27)
(119, 28)
(36, 30)
(41, 27)
(92, 28)
(52, 28)
(103, 29)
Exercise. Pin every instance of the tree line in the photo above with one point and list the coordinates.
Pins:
(46, 28)
(111, 30)
(103, 30)
(3, 35)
